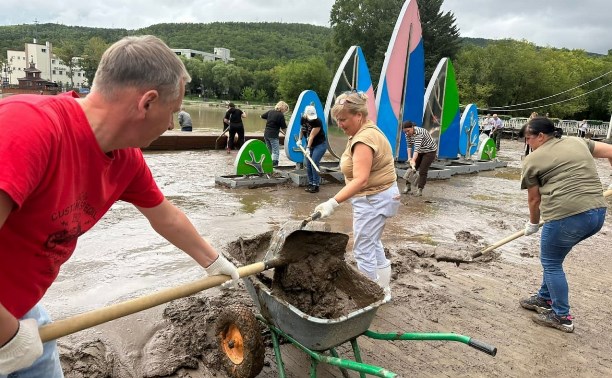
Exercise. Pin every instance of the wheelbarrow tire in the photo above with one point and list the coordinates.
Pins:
(241, 346)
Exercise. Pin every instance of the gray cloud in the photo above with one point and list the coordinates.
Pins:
(560, 23)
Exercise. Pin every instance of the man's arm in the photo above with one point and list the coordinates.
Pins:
(171, 223)
(8, 323)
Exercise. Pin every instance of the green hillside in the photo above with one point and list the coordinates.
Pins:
(245, 40)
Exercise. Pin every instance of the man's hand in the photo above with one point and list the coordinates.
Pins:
(23, 349)
(222, 266)
(327, 208)
(531, 228)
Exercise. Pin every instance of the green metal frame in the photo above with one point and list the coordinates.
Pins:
(358, 365)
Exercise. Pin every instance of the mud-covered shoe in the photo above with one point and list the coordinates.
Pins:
(407, 189)
(419, 192)
(536, 303)
(313, 189)
(550, 319)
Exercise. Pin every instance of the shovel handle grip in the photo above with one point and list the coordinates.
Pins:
(483, 347)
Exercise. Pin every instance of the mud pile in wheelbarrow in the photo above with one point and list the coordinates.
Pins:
(322, 284)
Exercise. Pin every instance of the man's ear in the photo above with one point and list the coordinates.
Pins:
(148, 98)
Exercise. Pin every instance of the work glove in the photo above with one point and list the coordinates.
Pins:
(327, 208)
(23, 349)
(531, 228)
(222, 266)
(308, 151)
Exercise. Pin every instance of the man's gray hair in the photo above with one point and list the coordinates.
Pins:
(143, 62)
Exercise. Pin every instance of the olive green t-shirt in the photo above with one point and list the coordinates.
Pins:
(565, 172)
(382, 174)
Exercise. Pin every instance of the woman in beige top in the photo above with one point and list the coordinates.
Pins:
(369, 171)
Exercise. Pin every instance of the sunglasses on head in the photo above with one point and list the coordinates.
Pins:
(344, 100)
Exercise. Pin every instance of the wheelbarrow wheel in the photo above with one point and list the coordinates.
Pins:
(240, 343)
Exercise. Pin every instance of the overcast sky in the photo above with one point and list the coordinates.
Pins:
(573, 24)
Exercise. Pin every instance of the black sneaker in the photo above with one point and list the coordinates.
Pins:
(550, 319)
(313, 189)
(537, 304)
(308, 188)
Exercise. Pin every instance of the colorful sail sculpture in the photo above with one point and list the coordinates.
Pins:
(353, 74)
(400, 90)
(470, 130)
(308, 97)
(441, 114)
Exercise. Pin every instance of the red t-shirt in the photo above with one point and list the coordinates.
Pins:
(62, 183)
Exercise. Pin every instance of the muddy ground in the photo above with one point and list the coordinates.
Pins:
(121, 258)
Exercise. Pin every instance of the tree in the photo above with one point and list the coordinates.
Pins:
(92, 53)
(67, 52)
(369, 24)
(298, 76)
(440, 34)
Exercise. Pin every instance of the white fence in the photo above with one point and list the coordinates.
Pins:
(570, 127)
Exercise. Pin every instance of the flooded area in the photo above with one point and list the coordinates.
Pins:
(123, 258)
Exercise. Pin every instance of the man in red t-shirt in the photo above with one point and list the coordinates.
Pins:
(65, 161)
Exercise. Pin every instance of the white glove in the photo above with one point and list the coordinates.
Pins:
(327, 208)
(531, 228)
(222, 266)
(23, 349)
(308, 151)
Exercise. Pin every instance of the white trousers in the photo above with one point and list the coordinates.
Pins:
(369, 216)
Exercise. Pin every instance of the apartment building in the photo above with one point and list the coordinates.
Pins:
(51, 67)
(219, 53)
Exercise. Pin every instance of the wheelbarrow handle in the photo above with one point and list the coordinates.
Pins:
(483, 347)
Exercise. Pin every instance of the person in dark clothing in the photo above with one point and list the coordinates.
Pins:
(184, 120)
(233, 117)
(275, 121)
(316, 145)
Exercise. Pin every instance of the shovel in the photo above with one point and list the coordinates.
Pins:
(297, 245)
(459, 258)
(327, 176)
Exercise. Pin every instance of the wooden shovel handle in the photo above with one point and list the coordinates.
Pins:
(297, 142)
(518, 234)
(89, 319)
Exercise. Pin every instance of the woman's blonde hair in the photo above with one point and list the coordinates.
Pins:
(281, 106)
(353, 102)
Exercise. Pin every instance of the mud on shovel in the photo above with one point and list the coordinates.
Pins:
(296, 246)
(467, 258)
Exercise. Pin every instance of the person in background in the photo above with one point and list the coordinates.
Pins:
(527, 149)
(497, 129)
(233, 118)
(563, 188)
(425, 149)
(583, 128)
(65, 161)
(487, 125)
(184, 120)
(316, 145)
(369, 170)
(275, 122)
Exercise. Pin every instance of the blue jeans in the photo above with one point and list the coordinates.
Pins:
(273, 145)
(47, 365)
(316, 153)
(558, 239)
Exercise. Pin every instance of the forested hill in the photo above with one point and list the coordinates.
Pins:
(245, 40)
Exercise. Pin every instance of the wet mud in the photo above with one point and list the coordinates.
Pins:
(480, 299)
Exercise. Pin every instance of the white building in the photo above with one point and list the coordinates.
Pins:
(51, 67)
(220, 53)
